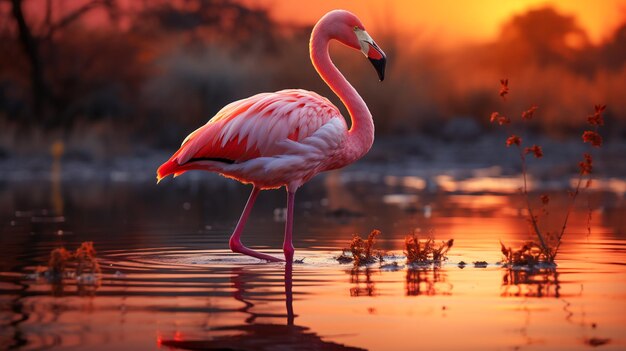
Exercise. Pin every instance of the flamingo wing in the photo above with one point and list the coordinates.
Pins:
(254, 127)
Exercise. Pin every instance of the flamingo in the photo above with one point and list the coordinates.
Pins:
(271, 140)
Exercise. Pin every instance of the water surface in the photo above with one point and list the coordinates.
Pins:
(169, 281)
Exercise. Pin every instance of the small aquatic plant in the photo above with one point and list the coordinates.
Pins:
(530, 254)
(81, 264)
(425, 252)
(548, 243)
(85, 258)
(58, 261)
(480, 264)
(361, 251)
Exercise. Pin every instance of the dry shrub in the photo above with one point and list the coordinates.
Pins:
(57, 263)
(80, 264)
(530, 254)
(85, 257)
(427, 251)
(547, 245)
(362, 250)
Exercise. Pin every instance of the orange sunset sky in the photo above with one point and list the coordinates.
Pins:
(451, 21)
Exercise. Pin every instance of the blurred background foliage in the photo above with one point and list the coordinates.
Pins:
(112, 78)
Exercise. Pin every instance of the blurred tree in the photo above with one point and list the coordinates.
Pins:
(32, 42)
(614, 50)
(542, 37)
(156, 69)
(30, 46)
(77, 70)
(229, 22)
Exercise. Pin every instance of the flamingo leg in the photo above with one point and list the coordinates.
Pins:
(235, 240)
(289, 292)
(288, 243)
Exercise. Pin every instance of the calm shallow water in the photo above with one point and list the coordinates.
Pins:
(169, 281)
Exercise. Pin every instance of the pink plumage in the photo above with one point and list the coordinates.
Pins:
(254, 139)
(284, 138)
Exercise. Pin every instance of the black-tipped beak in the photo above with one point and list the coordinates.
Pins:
(374, 53)
(379, 66)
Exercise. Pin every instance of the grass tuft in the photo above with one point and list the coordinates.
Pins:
(425, 252)
(81, 264)
(361, 251)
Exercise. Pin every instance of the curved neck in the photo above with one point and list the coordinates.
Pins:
(361, 133)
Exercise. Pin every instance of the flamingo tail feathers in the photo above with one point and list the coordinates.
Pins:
(169, 167)
(172, 166)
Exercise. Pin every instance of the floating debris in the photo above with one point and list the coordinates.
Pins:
(480, 264)
(595, 342)
(345, 257)
(391, 267)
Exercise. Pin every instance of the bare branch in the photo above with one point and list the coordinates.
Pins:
(30, 45)
(75, 15)
(48, 20)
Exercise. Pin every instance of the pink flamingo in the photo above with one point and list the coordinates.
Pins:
(284, 138)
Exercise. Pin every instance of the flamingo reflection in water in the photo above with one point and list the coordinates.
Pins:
(260, 336)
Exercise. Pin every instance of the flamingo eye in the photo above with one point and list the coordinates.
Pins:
(356, 28)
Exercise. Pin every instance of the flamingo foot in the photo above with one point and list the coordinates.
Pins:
(239, 248)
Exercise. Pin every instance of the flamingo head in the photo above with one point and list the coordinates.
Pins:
(372, 51)
(348, 29)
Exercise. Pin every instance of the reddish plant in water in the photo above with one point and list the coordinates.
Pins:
(85, 257)
(83, 261)
(424, 252)
(549, 243)
(58, 261)
(362, 250)
(530, 254)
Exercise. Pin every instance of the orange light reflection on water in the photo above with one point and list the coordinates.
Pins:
(171, 294)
